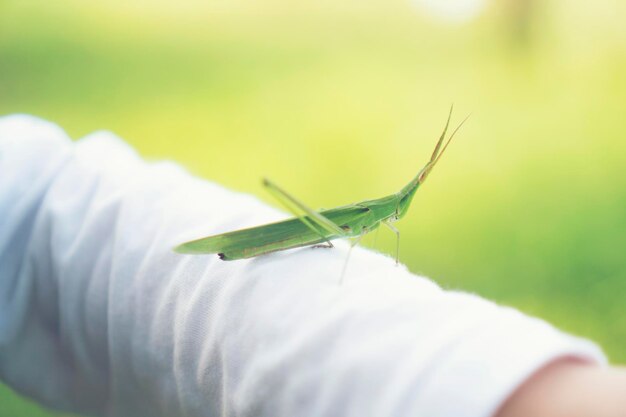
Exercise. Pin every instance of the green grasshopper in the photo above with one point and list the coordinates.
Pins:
(318, 227)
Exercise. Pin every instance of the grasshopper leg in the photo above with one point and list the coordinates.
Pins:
(328, 245)
(353, 243)
(314, 220)
(397, 232)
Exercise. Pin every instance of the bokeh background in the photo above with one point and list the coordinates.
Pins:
(340, 101)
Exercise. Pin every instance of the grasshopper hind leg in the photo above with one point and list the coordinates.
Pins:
(327, 245)
(314, 220)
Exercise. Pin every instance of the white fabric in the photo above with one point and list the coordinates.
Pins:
(99, 316)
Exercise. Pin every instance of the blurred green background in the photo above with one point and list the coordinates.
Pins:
(340, 101)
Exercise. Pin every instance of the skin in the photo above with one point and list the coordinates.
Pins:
(570, 388)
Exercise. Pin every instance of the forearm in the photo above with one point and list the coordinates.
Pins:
(569, 388)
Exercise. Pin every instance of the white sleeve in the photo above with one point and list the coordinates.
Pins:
(99, 316)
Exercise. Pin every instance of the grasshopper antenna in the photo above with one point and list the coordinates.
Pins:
(443, 135)
(439, 150)
(451, 136)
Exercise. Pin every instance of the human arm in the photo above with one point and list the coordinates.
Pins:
(570, 388)
(99, 316)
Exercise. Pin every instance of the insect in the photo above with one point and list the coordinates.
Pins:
(318, 227)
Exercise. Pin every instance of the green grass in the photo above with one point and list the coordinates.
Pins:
(13, 405)
(342, 105)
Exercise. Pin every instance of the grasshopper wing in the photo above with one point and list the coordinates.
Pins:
(259, 240)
